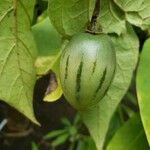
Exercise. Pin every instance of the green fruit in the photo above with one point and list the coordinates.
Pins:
(87, 68)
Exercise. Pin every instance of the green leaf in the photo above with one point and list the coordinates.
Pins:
(69, 16)
(130, 136)
(111, 18)
(97, 119)
(17, 55)
(54, 134)
(77, 120)
(34, 146)
(49, 44)
(86, 144)
(115, 123)
(65, 121)
(56, 93)
(129, 111)
(73, 131)
(136, 12)
(41, 17)
(47, 39)
(60, 140)
(143, 87)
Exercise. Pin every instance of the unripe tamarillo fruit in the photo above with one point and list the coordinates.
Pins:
(87, 67)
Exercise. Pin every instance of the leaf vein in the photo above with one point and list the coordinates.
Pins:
(5, 14)
(25, 10)
(6, 58)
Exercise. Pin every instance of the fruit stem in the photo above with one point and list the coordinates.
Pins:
(93, 27)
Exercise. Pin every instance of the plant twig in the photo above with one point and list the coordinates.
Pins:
(18, 134)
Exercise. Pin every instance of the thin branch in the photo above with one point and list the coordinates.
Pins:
(18, 134)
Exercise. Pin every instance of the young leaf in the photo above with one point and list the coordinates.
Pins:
(65, 121)
(130, 136)
(17, 55)
(136, 12)
(54, 134)
(97, 119)
(69, 16)
(143, 87)
(60, 140)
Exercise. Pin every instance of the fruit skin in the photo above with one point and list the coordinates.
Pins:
(87, 67)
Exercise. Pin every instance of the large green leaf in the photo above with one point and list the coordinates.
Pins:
(17, 55)
(143, 87)
(49, 44)
(69, 16)
(111, 18)
(136, 12)
(130, 136)
(97, 119)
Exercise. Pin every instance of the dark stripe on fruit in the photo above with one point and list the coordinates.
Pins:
(105, 91)
(78, 80)
(66, 69)
(94, 66)
(101, 81)
(108, 86)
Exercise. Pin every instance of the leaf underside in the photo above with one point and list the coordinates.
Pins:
(17, 55)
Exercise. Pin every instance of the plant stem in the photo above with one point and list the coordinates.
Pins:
(93, 23)
(96, 12)
(18, 134)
